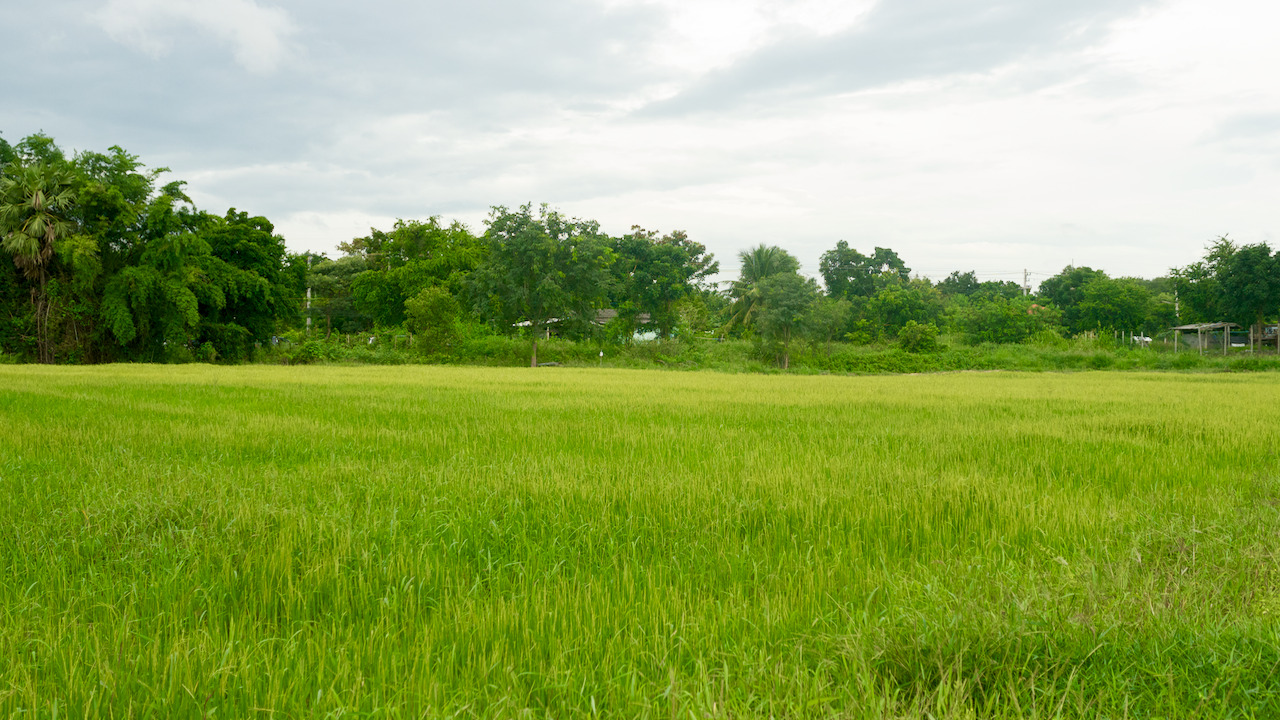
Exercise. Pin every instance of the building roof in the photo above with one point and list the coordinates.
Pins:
(604, 316)
(1206, 326)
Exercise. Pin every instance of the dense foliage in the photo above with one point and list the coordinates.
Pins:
(107, 266)
(103, 263)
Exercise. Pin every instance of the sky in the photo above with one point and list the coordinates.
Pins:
(1000, 136)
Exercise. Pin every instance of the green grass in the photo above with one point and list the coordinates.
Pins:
(749, 356)
(435, 541)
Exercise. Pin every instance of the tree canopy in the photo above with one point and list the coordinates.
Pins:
(105, 262)
(542, 268)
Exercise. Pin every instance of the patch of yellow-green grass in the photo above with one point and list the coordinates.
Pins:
(435, 541)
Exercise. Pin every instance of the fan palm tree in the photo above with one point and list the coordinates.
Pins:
(34, 200)
(758, 263)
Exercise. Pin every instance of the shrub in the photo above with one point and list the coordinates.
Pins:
(206, 353)
(305, 353)
(918, 338)
(433, 315)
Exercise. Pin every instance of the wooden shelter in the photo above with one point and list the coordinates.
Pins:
(1203, 332)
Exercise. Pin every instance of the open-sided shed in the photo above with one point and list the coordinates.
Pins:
(1203, 332)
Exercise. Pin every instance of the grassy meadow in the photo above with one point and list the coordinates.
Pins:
(197, 541)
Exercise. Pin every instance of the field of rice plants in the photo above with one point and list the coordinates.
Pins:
(199, 541)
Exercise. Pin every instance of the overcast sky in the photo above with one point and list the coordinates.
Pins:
(988, 135)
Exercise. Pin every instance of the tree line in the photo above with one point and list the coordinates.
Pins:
(106, 264)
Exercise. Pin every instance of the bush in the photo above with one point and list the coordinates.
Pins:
(206, 353)
(433, 314)
(305, 353)
(917, 338)
(1049, 339)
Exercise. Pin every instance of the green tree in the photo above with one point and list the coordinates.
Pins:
(848, 273)
(433, 316)
(999, 319)
(826, 318)
(1066, 291)
(38, 149)
(959, 283)
(7, 155)
(542, 268)
(898, 303)
(331, 295)
(757, 264)
(113, 209)
(967, 284)
(1249, 277)
(1197, 293)
(376, 294)
(246, 263)
(1113, 304)
(151, 306)
(784, 299)
(35, 201)
(652, 274)
(411, 256)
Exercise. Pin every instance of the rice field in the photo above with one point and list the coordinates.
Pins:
(408, 542)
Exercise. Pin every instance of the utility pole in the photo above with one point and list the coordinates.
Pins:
(308, 294)
(1026, 282)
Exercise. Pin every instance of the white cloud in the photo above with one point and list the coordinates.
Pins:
(703, 35)
(965, 134)
(321, 231)
(258, 35)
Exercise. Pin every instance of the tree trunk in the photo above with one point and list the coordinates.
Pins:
(533, 361)
(42, 322)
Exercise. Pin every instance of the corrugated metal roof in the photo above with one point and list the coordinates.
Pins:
(1206, 326)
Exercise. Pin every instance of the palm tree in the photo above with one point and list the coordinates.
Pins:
(758, 263)
(33, 203)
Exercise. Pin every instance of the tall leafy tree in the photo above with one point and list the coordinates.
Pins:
(1000, 319)
(1197, 293)
(38, 149)
(848, 273)
(116, 196)
(826, 317)
(542, 267)
(897, 303)
(757, 264)
(246, 263)
(1113, 304)
(330, 282)
(967, 284)
(1250, 280)
(35, 202)
(151, 306)
(652, 274)
(7, 154)
(413, 255)
(1240, 284)
(959, 283)
(433, 314)
(784, 299)
(1066, 291)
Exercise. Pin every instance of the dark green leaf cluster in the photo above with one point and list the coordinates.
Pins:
(118, 269)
